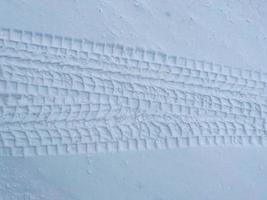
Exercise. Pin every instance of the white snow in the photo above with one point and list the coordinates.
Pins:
(44, 159)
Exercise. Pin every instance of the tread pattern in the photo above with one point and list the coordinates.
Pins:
(62, 95)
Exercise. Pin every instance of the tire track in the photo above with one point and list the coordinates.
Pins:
(60, 44)
(182, 74)
(60, 95)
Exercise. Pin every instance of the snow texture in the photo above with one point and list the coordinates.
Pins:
(150, 96)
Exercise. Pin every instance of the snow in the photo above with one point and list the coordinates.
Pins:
(210, 50)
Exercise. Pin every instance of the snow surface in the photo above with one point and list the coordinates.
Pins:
(227, 162)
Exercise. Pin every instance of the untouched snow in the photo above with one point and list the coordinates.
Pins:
(155, 154)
